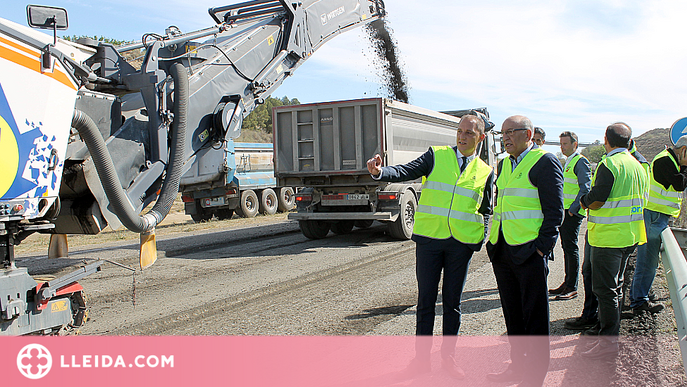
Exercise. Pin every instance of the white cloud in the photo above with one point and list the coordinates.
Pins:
(568, 64)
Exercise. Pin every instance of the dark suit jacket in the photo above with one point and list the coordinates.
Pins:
(547, 176)
(422, 166)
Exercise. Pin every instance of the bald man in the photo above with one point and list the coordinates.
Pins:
(527, 214)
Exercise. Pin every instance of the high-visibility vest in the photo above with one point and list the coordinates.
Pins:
(571, 185)
(450, 200)
(666, 201)
(518, 209)
(645, 165)
(620, 221)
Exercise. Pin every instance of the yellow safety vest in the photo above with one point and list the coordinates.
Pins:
(620, 222)
(571, 185)
(450, 201)
(518, 209)
(666, 201)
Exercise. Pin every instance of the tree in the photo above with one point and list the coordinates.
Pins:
(261, 117)
(594, 151)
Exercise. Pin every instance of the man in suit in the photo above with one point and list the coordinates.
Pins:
(449, 227)
(527, 214)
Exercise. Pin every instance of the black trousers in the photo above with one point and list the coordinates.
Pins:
(433, 256)
(569, 231)
(608, 270)
(591, 304)
(525, 302)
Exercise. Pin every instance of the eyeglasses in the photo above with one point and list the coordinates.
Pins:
(510, 132)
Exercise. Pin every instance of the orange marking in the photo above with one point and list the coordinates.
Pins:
(20, 47)
(33, 64)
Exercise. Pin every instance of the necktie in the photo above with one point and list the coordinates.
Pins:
(463, 164)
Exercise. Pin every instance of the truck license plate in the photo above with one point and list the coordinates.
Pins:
(344, 199)
(213, 202)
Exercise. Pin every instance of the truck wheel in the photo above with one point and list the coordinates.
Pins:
(287, 200)
(314, 229)
(268, 202)
(402, 228)
(364, 223)
(201, 214)
(224, 213)
(342, 227)
(248, 207)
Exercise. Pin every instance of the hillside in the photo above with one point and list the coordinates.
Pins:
(652, 142)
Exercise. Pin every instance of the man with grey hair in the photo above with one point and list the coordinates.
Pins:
(668, 178)
(527, 214)
(539, 136)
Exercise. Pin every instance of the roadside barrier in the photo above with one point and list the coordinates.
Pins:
(676, 276)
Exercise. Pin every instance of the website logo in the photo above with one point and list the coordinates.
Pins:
(34, 361)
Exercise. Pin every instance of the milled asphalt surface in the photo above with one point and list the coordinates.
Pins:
(481, 308)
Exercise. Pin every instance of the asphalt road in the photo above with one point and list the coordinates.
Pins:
(271, 280)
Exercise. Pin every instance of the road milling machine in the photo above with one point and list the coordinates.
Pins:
(90, 139)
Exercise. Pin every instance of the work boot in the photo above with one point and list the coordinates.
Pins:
(558, 290)
(649, 306)
(580, 323)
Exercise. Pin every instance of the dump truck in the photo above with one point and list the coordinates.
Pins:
(324, 148)
(250, 187)
(92, 134)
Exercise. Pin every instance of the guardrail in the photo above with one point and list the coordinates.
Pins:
(676, 275)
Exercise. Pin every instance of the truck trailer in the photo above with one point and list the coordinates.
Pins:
(249, 186)
(324, 148)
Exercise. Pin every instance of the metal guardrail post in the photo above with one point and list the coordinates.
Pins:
(676, 275)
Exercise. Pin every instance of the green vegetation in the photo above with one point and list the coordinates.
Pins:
(114, 42)
(594, 152)
(261, 118)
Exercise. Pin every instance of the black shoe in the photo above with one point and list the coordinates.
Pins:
(602, 351)
(580, 323)
(593, 331)
(558, 290)
(451, 366)
(652, 307)
(415, 368)
(506, 376)
(569, 294)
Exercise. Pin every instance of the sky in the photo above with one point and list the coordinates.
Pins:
(574, 65)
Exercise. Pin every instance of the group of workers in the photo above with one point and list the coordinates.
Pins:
(627, 204)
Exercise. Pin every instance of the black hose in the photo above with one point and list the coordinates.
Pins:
(175, 167)
(107, 173)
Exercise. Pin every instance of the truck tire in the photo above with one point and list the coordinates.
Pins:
(224, 213)
(364, 223)
(201, 215)
(248, 205)
(287, 199)
(342, 226)
(268, 202)
(402, 228)
(314, 229)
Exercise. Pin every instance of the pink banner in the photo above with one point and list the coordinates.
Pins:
(282, 361)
